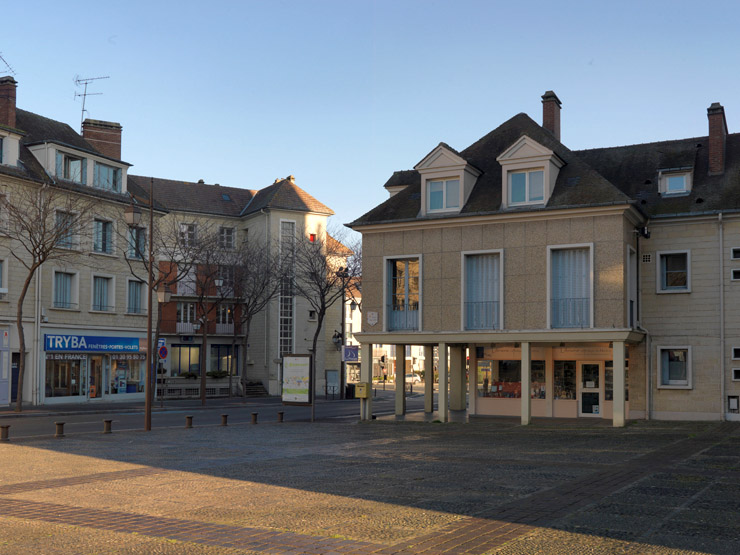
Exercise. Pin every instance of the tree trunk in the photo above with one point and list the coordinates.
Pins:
(203, 362)
(319, 323)
(22, 339)
(245, 358)
(155, 357)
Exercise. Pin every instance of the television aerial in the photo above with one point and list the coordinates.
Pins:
(84, 82)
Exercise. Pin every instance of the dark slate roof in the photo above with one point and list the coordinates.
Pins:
(285, 195)
(577, 184)
(191, 197)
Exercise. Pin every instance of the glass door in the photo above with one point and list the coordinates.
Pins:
(95, 388)
(590, 387)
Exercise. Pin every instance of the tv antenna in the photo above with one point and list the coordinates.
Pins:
(84, 82)
(7, 65)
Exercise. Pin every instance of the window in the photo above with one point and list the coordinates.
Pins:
(735, 274)
(311, 315)
(1, 150)
(187, 235)
(537, 379)
(403, 297)
(65, 290)
(736, 374)
(609, 380)
(185, 358)
(570, 288)
(102, 236)
(102, 297)
(673, 274)
(3, 279)
(225, 314)
(226, 275)
(527, 187)
(187, 285)
(107, 177)
(674, 367)
(736, 253)
(186, 313)
(675, 183)
(736, 353)
(226, 237)
(71, 168)
(136, 242)
(443, 194)
(564, 379)
(286, 295)
(65, 230)
(482, 291)
(221, 359)
(135, 304)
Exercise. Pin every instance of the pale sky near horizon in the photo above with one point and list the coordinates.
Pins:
(342, 93)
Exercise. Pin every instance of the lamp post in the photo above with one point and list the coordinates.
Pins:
(342, 274)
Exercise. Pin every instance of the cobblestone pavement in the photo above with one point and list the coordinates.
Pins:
(489, 486)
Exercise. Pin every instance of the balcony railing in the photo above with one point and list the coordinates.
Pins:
(225, 329)
(185, 328)
(404, 317)
(482, 315)
(570, 313)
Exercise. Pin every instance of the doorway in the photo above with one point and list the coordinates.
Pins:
(590, 389)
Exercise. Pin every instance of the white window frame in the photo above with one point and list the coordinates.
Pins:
(663, 182)
(444, 180)
(386, 316)
(116, 172)
(526, 172)
(185, 239)
(293, 300)
(128, 242)
(4, 276)
(689, 366)
(735, 253)
(75, 289)
(111, 293)
(195, 319)
(221, 236)
(659, 272)
(736, 372)
(66, 156)
(463, 292)
(143, 307)
(550, 248)
(735, 353)
(112, 237)
(734, 274)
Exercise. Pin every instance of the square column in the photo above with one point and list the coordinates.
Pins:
(366, 376)
(400, 380)
(619, 408)
(526, 384)
(472, 378)
(442, 397)
(428, 379)
(457, 378)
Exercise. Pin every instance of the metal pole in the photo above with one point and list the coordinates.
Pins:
(149, 357)
(342, 366)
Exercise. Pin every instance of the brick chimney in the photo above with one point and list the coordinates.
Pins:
(717, 138)
(7, 101)
(551, 113)
(104, 136)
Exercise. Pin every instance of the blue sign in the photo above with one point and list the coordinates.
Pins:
(91, 343)
(351, 353)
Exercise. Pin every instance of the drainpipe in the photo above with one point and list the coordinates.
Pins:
(648, 375)
(721, 318)
(35, 382)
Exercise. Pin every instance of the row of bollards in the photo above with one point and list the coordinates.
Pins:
(107, 425)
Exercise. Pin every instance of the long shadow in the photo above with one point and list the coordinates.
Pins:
(635, 484)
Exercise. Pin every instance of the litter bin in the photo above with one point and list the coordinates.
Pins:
(349, 391)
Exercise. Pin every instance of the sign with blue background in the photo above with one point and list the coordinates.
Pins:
(91, 343)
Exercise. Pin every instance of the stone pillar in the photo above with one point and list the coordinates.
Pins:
(400, 380)
(457, 378)
(366, 376)
(618, 406)
(442, 396)
(526, 384)
(428, 378)
(472, 378)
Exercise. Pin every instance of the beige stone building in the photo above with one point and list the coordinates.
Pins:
(559, 283)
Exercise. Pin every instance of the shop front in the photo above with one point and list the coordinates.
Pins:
(80, 368)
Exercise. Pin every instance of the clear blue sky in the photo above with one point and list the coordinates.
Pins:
(342, 93)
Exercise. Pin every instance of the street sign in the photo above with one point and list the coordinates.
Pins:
(162, 342)
(350, 353)
(163, 352)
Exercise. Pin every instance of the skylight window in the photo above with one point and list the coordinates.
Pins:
(675, 183)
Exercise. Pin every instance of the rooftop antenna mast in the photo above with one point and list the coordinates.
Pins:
(7, 65)
(84, 82)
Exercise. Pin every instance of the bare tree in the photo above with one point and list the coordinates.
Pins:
(322, 269)
(41, 223)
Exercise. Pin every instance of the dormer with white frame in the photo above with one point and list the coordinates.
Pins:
(9, 146)
(528, 173)
(447, 180)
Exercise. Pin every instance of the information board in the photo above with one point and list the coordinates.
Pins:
(297, 379)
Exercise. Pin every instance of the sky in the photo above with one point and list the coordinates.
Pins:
(342, 93)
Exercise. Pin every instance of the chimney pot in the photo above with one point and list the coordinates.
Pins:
(717, 138)
(103, 136)
(291, 178)
(7, 101)
(551, 113)
(201, 182)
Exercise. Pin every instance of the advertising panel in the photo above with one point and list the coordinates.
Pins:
(297, 380)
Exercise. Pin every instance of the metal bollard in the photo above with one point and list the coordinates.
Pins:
(60, 429)
(280, 415)
(224, 417)
(254, 417)
(106, 426)
(188, 421)
(4, 432)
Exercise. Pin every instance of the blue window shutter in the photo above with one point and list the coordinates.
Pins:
(60, 165)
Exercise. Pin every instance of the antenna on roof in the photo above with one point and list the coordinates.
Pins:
(7, 65)
(84, 82)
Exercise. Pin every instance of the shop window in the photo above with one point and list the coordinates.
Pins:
(64, 377)
(127, 373)
(537, 377)
(564, 379)
(506, 381)
(609, 380)
(221, 359)
(185, 359)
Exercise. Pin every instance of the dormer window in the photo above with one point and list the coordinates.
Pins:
(526, 187)
(107, 177)
(443, 194)
(71, 168)
(675, 183)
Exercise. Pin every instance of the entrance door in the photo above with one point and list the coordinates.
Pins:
(95, 388)
(590, 387)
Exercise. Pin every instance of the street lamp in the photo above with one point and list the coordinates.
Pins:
(343, 275)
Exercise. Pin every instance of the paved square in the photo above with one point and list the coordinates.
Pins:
(490, 486)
